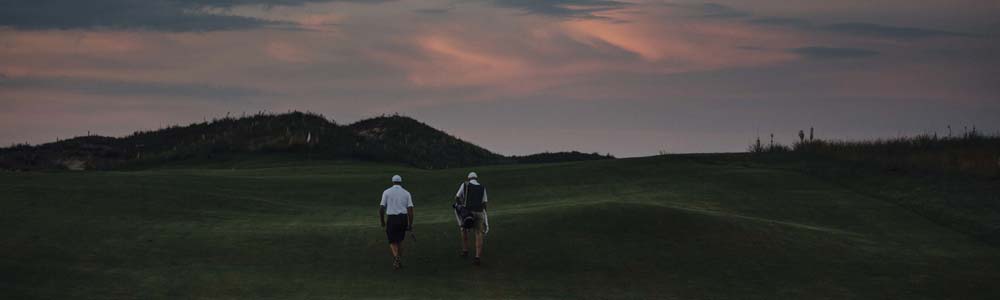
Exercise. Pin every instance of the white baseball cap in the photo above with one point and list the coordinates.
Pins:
(397, 178)
(472, 175)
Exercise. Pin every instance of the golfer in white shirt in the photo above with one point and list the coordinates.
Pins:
(397, 203)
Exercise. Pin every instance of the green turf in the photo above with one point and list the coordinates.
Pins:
(666, 227)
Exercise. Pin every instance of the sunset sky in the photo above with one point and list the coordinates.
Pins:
(629, 78)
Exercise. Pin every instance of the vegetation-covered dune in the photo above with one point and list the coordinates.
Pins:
(384, 139)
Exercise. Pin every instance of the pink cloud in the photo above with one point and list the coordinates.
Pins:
(453, 61)
(671, 45)
(320, 21)
(535, 53)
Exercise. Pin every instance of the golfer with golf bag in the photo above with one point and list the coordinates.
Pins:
(470, 212)
(398, 203)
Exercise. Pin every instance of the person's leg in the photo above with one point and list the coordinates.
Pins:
(480, 230)
(395, 235)
(479, 247)
(465, 241)
(395, 249)
(479, 244)
(396, 261)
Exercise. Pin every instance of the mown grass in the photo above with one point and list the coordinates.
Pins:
(668, 227)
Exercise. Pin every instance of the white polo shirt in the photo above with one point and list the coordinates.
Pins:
(461, 190)
(396, 199)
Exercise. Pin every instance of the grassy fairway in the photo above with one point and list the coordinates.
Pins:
(660, 227)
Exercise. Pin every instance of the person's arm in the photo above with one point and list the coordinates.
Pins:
(409, 215)
(381, 215)
(409, 211)
(458, 196)
(485, 200)
(381, 210)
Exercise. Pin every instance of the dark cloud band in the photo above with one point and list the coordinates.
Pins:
(130, 88)
(858, 29)
(827, 53)
(563, 8)
(876, 30)
(159, 15)
(710, 10)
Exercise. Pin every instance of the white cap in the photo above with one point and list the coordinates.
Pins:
(472, 175)
(397, 178)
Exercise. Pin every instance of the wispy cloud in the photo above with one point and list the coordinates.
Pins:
(715, 10)
(857, 28)
(781, 21)
(435, 10)
(200, 91)
(827, 53)
(878, 30)
(709, 10)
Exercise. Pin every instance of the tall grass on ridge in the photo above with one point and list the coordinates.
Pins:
(971, 154)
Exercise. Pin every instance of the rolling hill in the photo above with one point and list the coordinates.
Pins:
(383, 139)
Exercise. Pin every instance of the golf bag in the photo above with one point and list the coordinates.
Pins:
(465, 217)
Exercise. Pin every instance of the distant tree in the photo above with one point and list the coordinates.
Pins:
(756, 147)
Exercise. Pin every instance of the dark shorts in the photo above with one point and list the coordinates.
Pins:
(395, 228)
